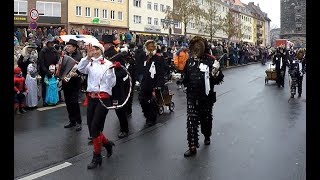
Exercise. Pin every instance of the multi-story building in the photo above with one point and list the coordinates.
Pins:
(293, 21)
(259, 24)
(267, 29)
(51, 13)
(222, 10)
(102, 15)
(147, 16)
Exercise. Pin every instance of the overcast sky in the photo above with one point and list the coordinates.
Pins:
(272, 7)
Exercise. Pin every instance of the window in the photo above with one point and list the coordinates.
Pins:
(191, 25)
(149, 20)
(78, 10)
(137, 3)
(156, 21)
(162, 8)
(155, 6)
(104, 14)
(20, 7)
(112, 14)
(111, 0)
(223, 8)
(96, 12)
(137, 19)
(178, 25)
(298, 29)
(149, 5)
(88, 14)
(52, 9)
(120, 15)
(119, 1)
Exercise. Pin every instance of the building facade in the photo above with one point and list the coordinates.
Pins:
(267, 30)
(101, 16)
(293, 21)
(51, 13)
(146, 16)
(259, 32)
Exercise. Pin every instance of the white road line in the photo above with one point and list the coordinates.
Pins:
(51, 107)
(47, 171)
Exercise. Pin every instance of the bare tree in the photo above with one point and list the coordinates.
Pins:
(213, 21)
(240, 31)
(184, 11)
(229, 25)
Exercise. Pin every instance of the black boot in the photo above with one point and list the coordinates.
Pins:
(108, 147)
(190, 152)
(69, 125)
(207, 141)
(299, 95)
(96, 160)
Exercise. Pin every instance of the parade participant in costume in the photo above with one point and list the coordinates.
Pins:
(119, 90)
(32, 85)
(280, 60)
(71, 88)
(52, 96)
(101, 80)
(153, 78)
(130, 64)
(297, 69)
(201, 73)
(180, 58)
(20, 91)
(29, 55)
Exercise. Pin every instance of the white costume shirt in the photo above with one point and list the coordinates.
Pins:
(96, 70)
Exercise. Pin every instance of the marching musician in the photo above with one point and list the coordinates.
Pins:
(72, 87)
(101, 80)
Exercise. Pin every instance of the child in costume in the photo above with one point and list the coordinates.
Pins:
(20, 91)
(31, 83)
(52, 96)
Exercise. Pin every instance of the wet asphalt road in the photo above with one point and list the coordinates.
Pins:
(257, 134)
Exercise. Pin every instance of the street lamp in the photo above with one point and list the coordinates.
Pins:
(168, 23)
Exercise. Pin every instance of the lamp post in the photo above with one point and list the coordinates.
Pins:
(168, 23)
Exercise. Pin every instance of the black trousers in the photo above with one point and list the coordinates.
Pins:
(43, 89)
(280, 77)
(71, 95)
(296, 81)
(123, 119)
(198, 112)
(149, 105)
(96, 115)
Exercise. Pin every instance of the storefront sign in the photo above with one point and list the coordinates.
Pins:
(156, 29)
(100, 21)
(20, 19)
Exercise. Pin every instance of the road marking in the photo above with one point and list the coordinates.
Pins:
(47, 171)
(51, 107)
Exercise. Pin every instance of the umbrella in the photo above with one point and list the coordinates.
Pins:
(88, 39)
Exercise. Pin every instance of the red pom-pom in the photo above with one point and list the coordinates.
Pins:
(116, 64)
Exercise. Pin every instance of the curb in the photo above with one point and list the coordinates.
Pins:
(230, 67)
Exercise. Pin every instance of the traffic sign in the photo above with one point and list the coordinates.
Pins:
(33, 25)
(34, 14)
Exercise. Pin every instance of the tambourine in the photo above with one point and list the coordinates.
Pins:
(128, 96)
